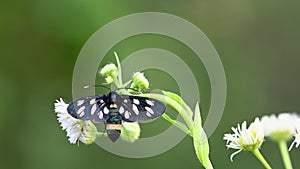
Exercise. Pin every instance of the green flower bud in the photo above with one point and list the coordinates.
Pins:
(109, 80)
(139, 81)
(109, 70)
(130, 131)
(88, 133)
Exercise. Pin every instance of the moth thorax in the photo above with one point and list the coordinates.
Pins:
(113, 105)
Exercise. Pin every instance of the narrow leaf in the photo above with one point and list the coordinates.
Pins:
(167, 100)
(200, 141)
(178, 124)
(179, 100)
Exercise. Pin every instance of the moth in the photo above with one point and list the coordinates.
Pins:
(113, 108)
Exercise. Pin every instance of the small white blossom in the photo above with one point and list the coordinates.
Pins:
(76, 129)
(281, 127)
(245, 138)
(296, 142)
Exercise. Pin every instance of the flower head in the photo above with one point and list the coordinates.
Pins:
(281, 127)
(110, 71)
(130, 131)
(76, 129)
(297, 136)
(245, 138)
(140, 82)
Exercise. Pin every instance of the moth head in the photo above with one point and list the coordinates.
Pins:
(113, 96)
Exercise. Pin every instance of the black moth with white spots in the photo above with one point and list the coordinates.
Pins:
(113, 108)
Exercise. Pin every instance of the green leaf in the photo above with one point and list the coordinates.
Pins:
(119, 68)
(200, 141)
(179, 100)
(167, 100)
(173, 96)
(178, 124)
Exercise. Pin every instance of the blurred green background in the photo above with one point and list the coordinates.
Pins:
(258, 43)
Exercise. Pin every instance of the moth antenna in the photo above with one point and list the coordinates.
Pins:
(96, 85)
(128, 88)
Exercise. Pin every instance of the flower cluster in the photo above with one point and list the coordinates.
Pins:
(139, 81)
(86, 131)
(110, 72)
(76, 129)
(277, 128)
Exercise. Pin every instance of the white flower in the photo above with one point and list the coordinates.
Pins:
(76, 129)
(297, 136)
(281, 127)
(245, 139)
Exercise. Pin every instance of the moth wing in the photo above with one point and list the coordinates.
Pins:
(89, 108)
(134, 108)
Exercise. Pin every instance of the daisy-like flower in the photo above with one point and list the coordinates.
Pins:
(76, 129)
(296, 142)
(244, 138)
(281, 127)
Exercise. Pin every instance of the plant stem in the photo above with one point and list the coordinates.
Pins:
(100, 134)
(177, 124)
(116, 81)
(260, 157)
(285, 154)
(119, 68)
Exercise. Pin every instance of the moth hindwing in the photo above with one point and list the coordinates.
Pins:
(134, 108)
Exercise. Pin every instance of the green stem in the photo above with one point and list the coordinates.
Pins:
(116, 81)
(260, 157)
(119, 69)
(177, 124)
(126, 84)
(100, 134)
(285, 155)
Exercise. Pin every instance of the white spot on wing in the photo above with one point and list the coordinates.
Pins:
(80, 109)
(101, 101)
(149, 110)
(92, 101)
(125, 101)
(100, 115)
(121, 110)
(127, 114)
(105, 110)
(81, 114)
(136, 101)
(80, 102)
(150, 102)
(93, 109)
(148, 114)
(135, 109)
